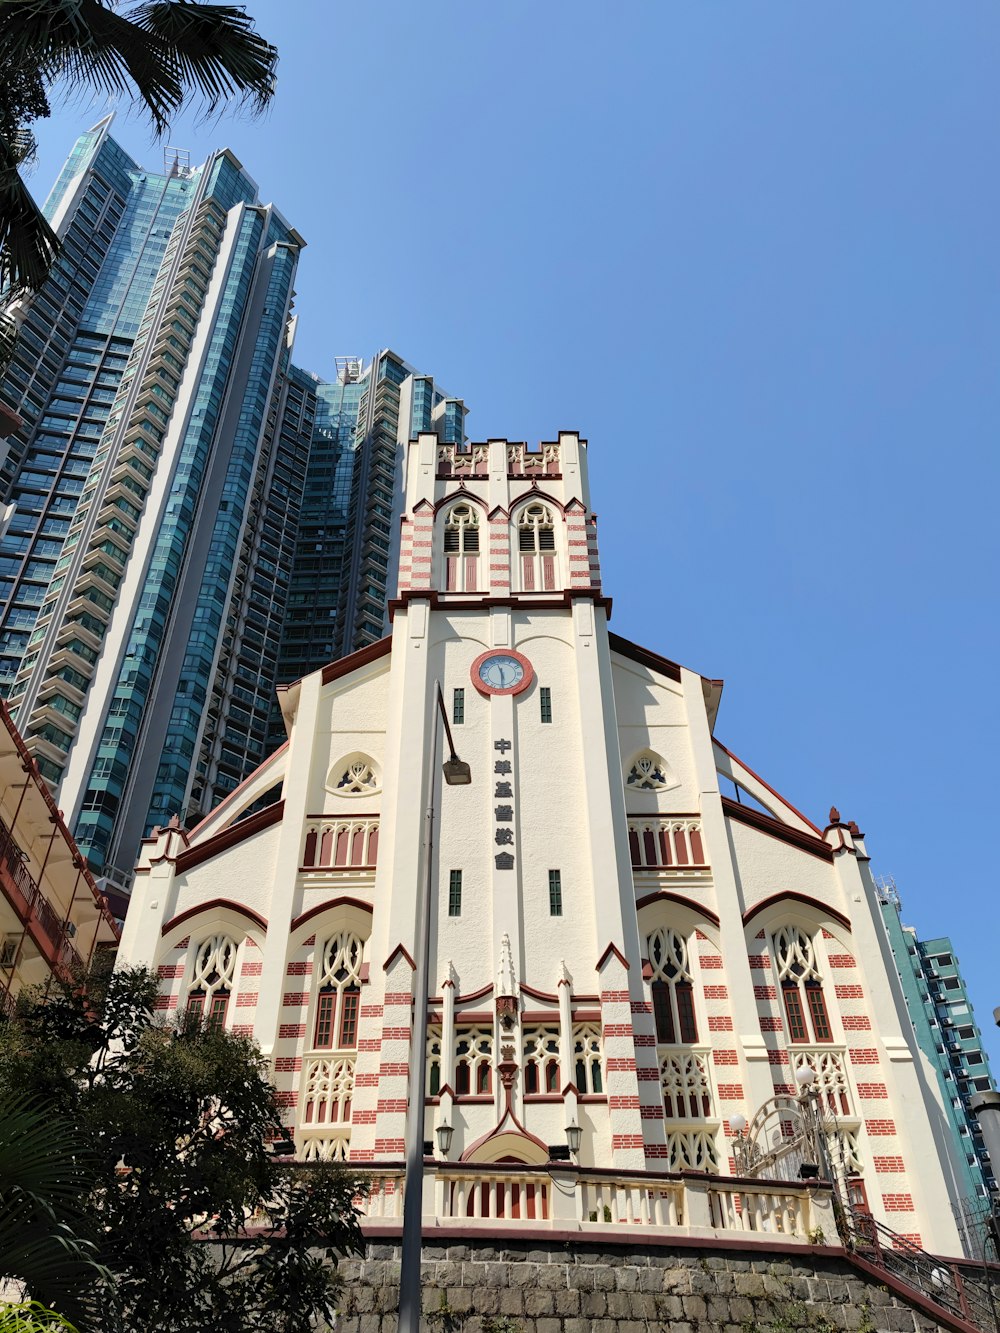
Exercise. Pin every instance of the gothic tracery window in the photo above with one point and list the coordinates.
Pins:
(339, 999)
(801, 986)
(461, 549)
(357, 778)
(648, 773)
(540, 1047)
(587, 1062)
(536, 544)
(473, 1062)
(672, 988)
(212, 980)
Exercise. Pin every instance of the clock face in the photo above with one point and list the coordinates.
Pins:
(501, 673)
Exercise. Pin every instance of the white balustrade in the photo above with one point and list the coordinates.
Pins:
(666, 844)
(340, 844)
(540, 1199)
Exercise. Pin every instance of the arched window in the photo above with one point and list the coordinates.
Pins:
(356, 778)
(541, 1061)
(461, 549)
(473, 1062)
(212, 982)
(587, 1058)
(536, 544)
(649, 773)
(339, 998)
(672, 989)
(801, 986)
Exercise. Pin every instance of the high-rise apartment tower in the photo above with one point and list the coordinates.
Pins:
(195, 520)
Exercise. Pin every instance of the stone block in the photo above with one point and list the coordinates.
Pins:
(552, 1277)
(538, 1301)
(594, 1304)
(486, 1300)
(695, 1307)
(619, 1304)
(512, 1301)
(496, 1275)
(749, 1284)
(548, 1326)
(898, 1318)
(523, 1275)
(627, 1278)
(604, 1279)
(567, 1302)
(667, 1308)
(460, 1299)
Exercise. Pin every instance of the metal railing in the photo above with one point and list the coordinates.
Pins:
(970, 1298)
(39, 909)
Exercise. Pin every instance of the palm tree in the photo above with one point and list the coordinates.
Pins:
(159, 53)
(45, 1183)
(31, 1317)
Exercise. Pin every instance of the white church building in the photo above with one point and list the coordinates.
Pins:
(616, 945)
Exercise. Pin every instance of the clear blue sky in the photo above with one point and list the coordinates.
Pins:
(751, 250)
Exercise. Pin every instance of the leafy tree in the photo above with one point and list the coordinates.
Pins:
(199, 1226)
(159, 53)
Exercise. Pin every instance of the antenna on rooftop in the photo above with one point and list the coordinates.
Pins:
(176, 162)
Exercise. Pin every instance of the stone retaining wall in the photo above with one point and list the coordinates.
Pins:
(577, 1287)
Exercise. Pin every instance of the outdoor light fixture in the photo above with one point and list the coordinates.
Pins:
(456, 772)
(283, 1147)
(809, 1171)
(573, 1136)
(737, 1123)
(804, 1075)
(444, 1133)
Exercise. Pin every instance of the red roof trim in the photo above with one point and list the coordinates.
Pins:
(542, 995)
(662, 665)
(211, 906)
(823, 908)
(230, 837)
(767, 785)
(662, 895)
(343, 901)
(344, 667)
(392, 958)
(783, 832)
(473, 995)
(612, 949)
(193, 833)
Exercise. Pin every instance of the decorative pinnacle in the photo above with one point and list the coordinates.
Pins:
(834, 815)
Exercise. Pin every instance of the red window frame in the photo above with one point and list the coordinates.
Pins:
(794, 1013)
(817, 1011)
(326, 1006)
(217, 1012)
(349, 1008)
(663, 1014)
(685, 1011)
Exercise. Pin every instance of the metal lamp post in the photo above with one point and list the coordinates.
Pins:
(456, 774)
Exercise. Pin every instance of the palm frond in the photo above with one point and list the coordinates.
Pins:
(45, 1182)
(28, 245)
(216, 50)
(156, 53)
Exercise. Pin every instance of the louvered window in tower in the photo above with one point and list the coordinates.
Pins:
(536, 542)
(461, 549)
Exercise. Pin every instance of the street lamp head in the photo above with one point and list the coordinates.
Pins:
(444, 1133)
(804, 1075)
(573, 1136)
(456, 772)
(737, 1123)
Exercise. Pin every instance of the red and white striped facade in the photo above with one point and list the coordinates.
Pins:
(702, 950)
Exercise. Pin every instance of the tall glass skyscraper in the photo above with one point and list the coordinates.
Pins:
(948, 1034)
(196, 519)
